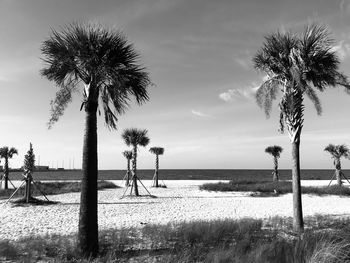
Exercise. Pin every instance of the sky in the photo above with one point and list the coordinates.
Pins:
(198, 53)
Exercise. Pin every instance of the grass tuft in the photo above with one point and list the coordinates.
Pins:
(259, 188)
(53, 188)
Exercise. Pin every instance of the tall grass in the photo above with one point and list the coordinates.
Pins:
(245, 240)
(272, 188)
(53, 188)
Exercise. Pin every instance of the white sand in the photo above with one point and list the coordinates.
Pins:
(180, 201)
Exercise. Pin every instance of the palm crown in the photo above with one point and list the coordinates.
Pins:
(100, 59)
(157, 150)
(5, 152)
(338, 151)
(135, 136)
(275, 150)
(127, 154)
(303, 62)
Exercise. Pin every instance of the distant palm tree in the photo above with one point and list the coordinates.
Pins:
(135, 137)
(275, 151)
(295, 65)
(157, 151)
(104, 67)
(337, 152)
(7, 153)
(128, 156)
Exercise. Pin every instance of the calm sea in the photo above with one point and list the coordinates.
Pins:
(185, 174)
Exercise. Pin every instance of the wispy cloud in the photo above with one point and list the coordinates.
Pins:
(343, 49)
(240, 93)
(344, 7)
(244, 63)
(201, 114)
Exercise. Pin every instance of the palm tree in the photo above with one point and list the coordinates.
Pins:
(28, 167)
(128, 156)
(103, 66)
(297, 65)
(337, 152)
(7, 153)
(275, 151)
(135, 137)
(157, 151)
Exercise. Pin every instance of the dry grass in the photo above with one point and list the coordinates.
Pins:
(272, 188)
(53, 188)
(242, 241)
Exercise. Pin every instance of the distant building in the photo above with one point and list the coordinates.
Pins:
(41, 167)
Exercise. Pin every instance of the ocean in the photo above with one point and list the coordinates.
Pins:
(186, 174)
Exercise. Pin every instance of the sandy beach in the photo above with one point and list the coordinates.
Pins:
(180, 201)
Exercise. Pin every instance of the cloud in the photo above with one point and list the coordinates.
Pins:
(343, 49)
(245, 93)
(201, 114)
(344, 7)
(243, 63)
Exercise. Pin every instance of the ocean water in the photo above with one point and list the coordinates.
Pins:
(186, 174)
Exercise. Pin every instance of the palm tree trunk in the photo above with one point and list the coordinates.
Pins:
(156, 171)
(6, 173)
(275, 174)
(127, 183)
(28, 190)
(88, 224)
(338, 172)
(134, 175)
(298, 224)
(292, 113)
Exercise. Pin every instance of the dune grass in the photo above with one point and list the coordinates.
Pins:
(246, 240)
(53, 188)
(263, 188)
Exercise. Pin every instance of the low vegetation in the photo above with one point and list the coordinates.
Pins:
(53, 188)
(245, 240)
(264, 188)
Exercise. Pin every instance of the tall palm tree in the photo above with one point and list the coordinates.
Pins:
(275, 151)
(103, 66)
(157, 151)
(135, 137)
(128, 156)
(296, 65)
(337, 152)
(7, 153)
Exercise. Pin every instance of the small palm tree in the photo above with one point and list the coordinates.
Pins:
(157, 151)
(101, 65)
(275, 151)
(128, 156)
(7, 153)
(296, 65)
(28, 167)
(135, 137)
(337, 152)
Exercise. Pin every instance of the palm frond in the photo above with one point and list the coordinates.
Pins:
(100, 58)
(157, 150)
(127, 154)
(266, 93)
(59, 104)
(274, 150)
(134, 136)
(12, 152)
(4, 152)
(338, 151)
(314, 98)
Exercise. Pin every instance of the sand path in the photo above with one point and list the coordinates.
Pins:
(181, 201)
